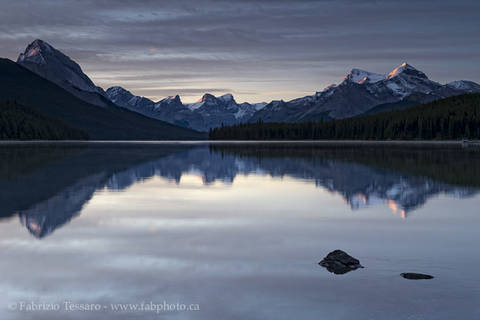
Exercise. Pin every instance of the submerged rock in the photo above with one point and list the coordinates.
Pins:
(339, 262)
(416, 276)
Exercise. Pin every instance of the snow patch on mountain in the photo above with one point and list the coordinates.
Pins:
(240, 113)
(259, 106)
(362, 76)
(465, 85)
(396, 88)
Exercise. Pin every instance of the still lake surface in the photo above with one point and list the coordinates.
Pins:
(237, 230)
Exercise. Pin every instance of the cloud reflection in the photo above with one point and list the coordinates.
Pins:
(361, 177)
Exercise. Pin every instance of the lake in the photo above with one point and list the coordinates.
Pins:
(236, 230)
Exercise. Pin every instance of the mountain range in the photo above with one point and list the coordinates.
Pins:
(208, 112)
(361, 92)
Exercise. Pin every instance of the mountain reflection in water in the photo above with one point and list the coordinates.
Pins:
(47, 185)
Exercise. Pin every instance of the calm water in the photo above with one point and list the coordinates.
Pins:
(237, 231)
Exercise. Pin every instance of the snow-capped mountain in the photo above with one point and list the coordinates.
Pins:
(222, 110)
(169, 109)
(359, 93)
(208, 112)
(464, 85)
(48, 62)
(362, 91)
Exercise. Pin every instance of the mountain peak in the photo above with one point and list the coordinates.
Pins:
(52, 64)
(116, 89)
(41, 52)
(226, 97)
(207, 97)
(41, 43)
(172, 99)
(120, 96)
(34, 51)
(405, 68)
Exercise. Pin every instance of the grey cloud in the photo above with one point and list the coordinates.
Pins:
(310, 44)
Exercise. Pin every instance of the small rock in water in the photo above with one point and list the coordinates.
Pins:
(339, 262)
(416, 276)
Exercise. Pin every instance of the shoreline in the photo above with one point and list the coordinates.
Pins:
(199, 142)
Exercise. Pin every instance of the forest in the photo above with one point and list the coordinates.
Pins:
(19, 122)
(452, 118)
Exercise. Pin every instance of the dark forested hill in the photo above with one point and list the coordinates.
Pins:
(109, 123)
(18, 122)
(451, 118)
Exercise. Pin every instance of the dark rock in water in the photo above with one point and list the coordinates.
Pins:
(416, 276)
(339, 262)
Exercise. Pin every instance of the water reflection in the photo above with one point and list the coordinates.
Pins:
(48, 185)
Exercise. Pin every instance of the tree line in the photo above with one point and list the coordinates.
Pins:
(446, 119)
(19, 122)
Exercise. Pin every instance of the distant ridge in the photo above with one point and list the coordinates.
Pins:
(208, 112)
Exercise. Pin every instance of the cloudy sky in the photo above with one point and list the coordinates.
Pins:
(258, 50)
